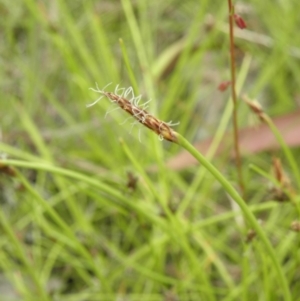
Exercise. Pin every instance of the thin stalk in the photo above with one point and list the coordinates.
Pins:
(234, 100)
(243, 206)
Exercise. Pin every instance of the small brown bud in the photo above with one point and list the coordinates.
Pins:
(295, 226)
(131, 181)
(255, 106)
(284, 191)
(224, 86)
(279, 173)
(239, 21)
(250, 235)
(8, 170)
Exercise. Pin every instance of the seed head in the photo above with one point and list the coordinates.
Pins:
(132, 107)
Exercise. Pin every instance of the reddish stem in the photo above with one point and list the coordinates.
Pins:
(234, 99)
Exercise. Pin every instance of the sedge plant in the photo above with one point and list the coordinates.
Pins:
(88, 234)
(166, 132)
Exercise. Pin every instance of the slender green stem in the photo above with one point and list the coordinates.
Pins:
(243, 206)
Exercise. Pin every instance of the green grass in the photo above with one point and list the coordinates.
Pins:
(71, 229)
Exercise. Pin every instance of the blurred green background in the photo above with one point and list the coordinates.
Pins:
(89, 243)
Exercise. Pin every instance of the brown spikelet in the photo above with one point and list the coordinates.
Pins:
(279, 173)
(8, 170)
(131, 181)
(295, 226)
(256, 107)
(161, 128)
(250, 235)
(284, 191)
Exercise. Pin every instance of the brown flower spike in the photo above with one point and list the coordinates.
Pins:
(132, 107)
